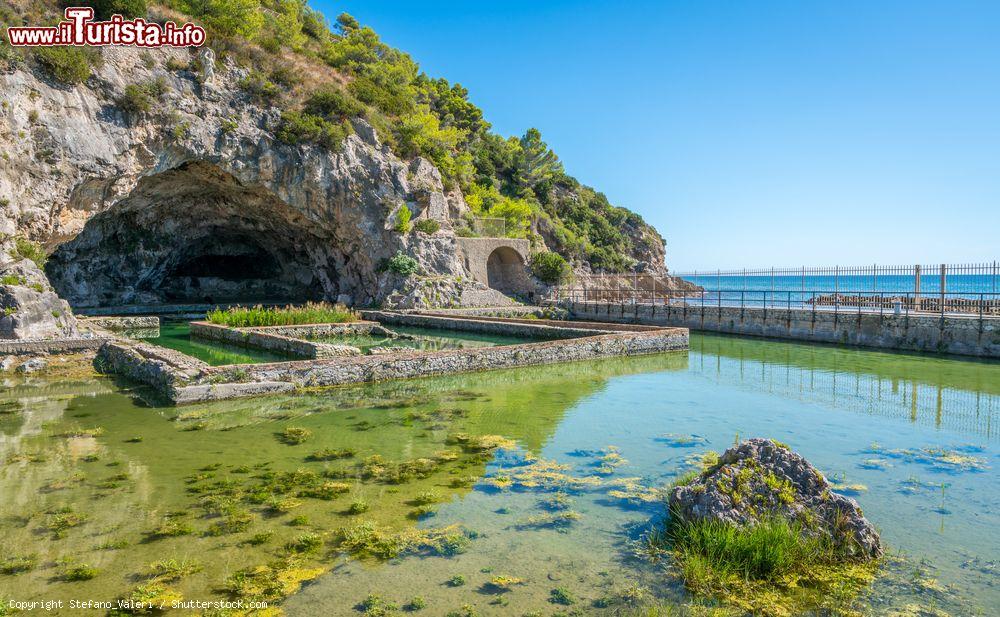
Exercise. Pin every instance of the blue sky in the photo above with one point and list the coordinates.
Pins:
(748, 133)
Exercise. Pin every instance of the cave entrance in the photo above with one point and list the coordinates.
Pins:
(195, 235)
(232, 269)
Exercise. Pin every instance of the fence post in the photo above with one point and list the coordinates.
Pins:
(916, 287)
(943, 281)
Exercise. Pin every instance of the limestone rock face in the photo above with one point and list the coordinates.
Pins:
(29, 308)
(759, 478)
(139, 206)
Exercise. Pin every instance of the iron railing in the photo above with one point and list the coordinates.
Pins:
(489, 227)
(983, 304)
(970, 278)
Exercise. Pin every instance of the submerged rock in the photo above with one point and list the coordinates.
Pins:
(760, 479)
(32, 365)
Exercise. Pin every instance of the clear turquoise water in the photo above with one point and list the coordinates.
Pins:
(176, 334)
(841, 408)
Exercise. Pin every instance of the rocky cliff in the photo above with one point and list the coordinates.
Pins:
(162, 177)
(138, 207)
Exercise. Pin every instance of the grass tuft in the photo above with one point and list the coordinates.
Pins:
(259, 316)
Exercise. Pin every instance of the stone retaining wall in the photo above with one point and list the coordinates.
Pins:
(183, 380)
(48, 346)
(951, 334)
(282, 339)
(136, 322)
(527, 328)
(361, 369)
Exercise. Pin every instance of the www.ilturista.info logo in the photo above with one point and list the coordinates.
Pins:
(79, 29)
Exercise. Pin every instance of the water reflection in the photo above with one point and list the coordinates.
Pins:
(955, 394)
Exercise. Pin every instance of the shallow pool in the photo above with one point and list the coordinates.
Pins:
(94, 475)
(176, 334)
(427, 339)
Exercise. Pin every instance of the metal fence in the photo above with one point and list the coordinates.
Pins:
(969, 289)
(489, 227)
(971, 278)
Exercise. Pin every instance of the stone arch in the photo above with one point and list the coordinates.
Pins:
(505, 270)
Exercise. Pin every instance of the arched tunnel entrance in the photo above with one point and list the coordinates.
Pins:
(505, 270)
(194, 234)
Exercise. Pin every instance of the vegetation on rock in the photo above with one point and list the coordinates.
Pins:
(550, 267)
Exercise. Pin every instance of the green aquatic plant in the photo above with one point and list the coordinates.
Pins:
(368, 539)
(170, 570)
(270, 582)
(78, 572)
(235, 522)
(426, 498)
(326, 490)
(307, 543)
(358, 506)
(555, 520)
(18, 564)
(774, 567)
(170, 529)
(561, 595)
(375, 605)
(260, 538)
(328, 454)
(148, 598)
(61, 522)
(294, 435)
(503, 583)
(259, 316)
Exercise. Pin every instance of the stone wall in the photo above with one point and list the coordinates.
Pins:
(183, 380)
(527, 328)
(47, 346)
(421, 364)
(951, 334)
(136, 322)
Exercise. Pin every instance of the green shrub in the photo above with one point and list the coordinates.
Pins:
(260, 88)
(12, 279)
(135, 100)
(257, 316)
(550, 267)
(333, 104)
(403, 216)
(298, 127)
(70, 65)
(104, 9)
(427, 226)
(175, 65)
(26, 249)
(402, 264)
(140, 98)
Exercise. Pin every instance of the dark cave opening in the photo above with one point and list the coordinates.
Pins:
(241, 267)
(225, 266)
(194, 235)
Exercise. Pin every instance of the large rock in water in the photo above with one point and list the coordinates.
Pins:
(759, 479)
